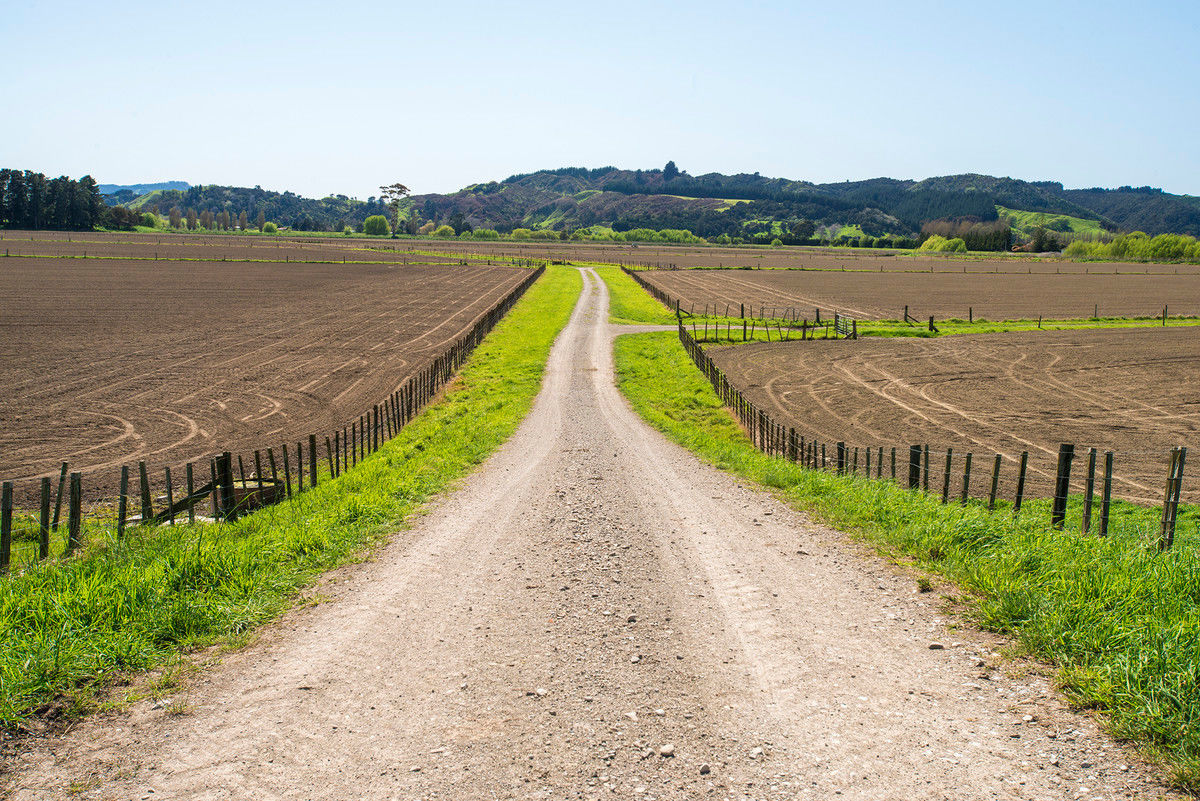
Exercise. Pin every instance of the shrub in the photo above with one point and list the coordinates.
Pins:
(150, 220)
(444, 231)
(270, 228)
(776, 242)
(522, 233)
(347, 231)
(544, 234)
(426, 229)
(642, 235)
(376, 225)
(486, 233)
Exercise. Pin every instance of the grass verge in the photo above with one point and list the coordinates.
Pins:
(628, 303)
(67, 626)
(1119, 619)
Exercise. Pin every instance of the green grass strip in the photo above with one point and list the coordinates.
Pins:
(68, 626)
(1120, 619)
(628, 302)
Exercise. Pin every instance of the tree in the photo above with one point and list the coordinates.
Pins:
(258, 221)
(670, 171)
(391, 195)
(376, 225)
(269, 228)
(242, 222)
(444, 231)
(803, 229)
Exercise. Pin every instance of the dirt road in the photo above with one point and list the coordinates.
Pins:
(595, 614)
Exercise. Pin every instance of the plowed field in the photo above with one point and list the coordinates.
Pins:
(1134, 392)
(656, 255)
(992, 296)
(106, 362)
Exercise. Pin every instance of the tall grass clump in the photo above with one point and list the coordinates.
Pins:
(69, 625)
(1119, 618)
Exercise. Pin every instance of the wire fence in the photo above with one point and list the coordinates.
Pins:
(230, 484)
(916, 466)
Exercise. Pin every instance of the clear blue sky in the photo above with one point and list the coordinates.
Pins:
(340, 97)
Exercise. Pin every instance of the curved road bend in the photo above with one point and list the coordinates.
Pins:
(596, 614)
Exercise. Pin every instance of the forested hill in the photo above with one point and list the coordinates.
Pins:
(331, 213)
(981, 208)
(738, 205)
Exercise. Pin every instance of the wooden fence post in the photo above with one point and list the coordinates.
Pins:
(123, 501)
(914, 466)
(6, 513)
(1106, 493)
(966, 487)
(287, 471)
(190, 479)
(170, 496)
(946, 476)
(75, 513)
(44, 520)
(925, 474)
(147, 503)
(214, 497)
(841, 458)
(995, 484)
(893, 463)
(62, 484)
(1171, 500)
(1062, 484)
(228, 503)
(1020, 494)
(1089, 491)
(312, 456)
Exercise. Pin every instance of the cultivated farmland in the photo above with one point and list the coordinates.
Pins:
(1131, 391)
(994, 296)
(107, 361)
(661, 255)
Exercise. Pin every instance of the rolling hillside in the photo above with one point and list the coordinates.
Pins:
(749, 206)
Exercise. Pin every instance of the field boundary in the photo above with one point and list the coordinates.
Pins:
(268, 477)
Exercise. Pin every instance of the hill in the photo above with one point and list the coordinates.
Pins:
(332, 213)
(747, 206)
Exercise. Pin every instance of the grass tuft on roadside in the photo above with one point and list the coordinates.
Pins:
(1120, 619)
(68, 626)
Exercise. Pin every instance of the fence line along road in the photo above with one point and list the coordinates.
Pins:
(270, 476)
(775, 439)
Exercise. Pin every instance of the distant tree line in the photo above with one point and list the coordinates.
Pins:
(29, 200)
(233, 206)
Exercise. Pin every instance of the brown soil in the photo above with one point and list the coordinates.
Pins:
(593, 595)
(1131, 391)
(107, 362)
(876, 296)
(334, 248)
